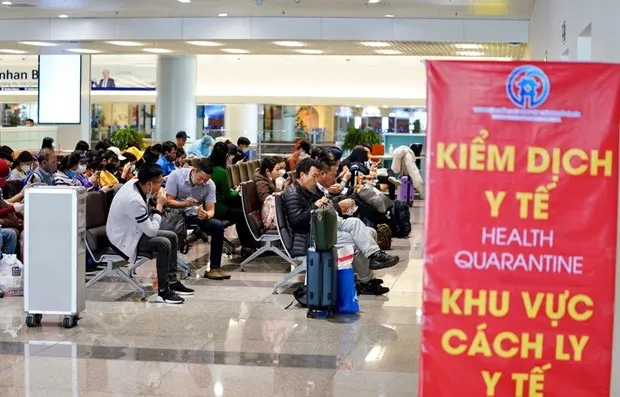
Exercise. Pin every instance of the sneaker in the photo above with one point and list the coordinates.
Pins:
(180, 289)
(394, 181)
(381, 260)
(168, 296)
(371, 288)
(214, 274)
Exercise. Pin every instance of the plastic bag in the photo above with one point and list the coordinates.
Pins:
(11, 276)
(347, 294)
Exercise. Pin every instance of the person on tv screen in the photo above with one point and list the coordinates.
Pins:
(106, 81)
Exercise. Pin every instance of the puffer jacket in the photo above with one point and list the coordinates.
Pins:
(298, 205)
(404, 164)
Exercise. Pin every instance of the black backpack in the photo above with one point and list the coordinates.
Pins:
(401, 220)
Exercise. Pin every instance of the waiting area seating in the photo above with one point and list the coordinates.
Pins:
(99, 248)
(242, 172)
(252, 214)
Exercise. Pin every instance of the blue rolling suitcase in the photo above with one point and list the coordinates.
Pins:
(322, 273)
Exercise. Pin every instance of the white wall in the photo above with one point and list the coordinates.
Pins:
(546, 28)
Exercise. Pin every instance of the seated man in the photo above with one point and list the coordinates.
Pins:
(48, 165)
(193, 190)
(133, 226)
(301, 197)
(167, 157)
(326, 180)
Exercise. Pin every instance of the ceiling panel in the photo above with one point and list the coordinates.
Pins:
(496, 9)
(266, 47)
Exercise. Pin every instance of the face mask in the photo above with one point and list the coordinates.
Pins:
(303, 155)
(26, 168)
(81, 169)
(71, 174)
(54, 145)
(281, 173)
(351, 211)
(149, 195)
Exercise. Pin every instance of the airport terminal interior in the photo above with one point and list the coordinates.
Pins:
(300, 79)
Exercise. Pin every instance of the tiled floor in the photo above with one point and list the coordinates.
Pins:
(233, 338)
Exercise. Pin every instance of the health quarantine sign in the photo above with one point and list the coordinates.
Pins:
(520, 229)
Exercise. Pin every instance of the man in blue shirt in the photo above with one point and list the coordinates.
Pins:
(167, 157)
(192, 190)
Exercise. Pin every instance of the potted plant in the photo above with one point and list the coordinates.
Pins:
(356, 137)
(124, 138)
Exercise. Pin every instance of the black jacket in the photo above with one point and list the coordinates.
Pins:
(298, 205)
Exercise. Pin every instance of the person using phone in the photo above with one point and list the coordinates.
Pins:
(134, 226)
(193, 190)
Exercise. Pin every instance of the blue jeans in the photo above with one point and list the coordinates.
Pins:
(9, 241)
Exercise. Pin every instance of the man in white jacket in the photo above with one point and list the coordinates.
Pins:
(133, 226)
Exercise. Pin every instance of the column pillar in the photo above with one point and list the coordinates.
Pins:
(241, 120)
(86, 110)
(176, 97)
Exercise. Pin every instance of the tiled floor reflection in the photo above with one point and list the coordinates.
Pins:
(234, 338)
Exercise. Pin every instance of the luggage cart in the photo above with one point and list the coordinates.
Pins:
(54, 253)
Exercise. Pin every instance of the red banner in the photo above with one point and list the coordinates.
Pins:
(521, 211)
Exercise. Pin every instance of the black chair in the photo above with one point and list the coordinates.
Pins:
(98, 245)
(287, 242)
(252, 213)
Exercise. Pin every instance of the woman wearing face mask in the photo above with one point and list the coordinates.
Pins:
(109, 165)
(125, 171)
(301, 151)
(269, 177)
(22, 166)
(67, 171)
(85, 175)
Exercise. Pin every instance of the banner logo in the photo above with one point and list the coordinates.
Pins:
(528, 87)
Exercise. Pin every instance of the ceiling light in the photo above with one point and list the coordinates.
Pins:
(204, 43)
(222, 14)
(465, 46)
(184, 1)
(126, 43)
(83, 50)
(7, 3)
(235, 51)
(38, 43)
(157, 50)
(63, 16)
(7, 51)
(388, 52)
(373, 1)
(310, 52)
(289, 43)
(375, 44)
(389, 16)
(471, 53)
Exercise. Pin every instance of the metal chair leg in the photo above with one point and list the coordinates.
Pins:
(255, 255)
(131, 282)
(286, 279)
(104, 273)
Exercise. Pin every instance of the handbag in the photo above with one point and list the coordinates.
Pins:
(375, 198)
(324, 227)
(173, 220)
(347, 293)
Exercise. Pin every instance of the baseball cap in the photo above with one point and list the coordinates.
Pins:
(117, 152)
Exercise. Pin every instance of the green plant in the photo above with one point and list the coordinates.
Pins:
(356, 137)
(127, 137)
